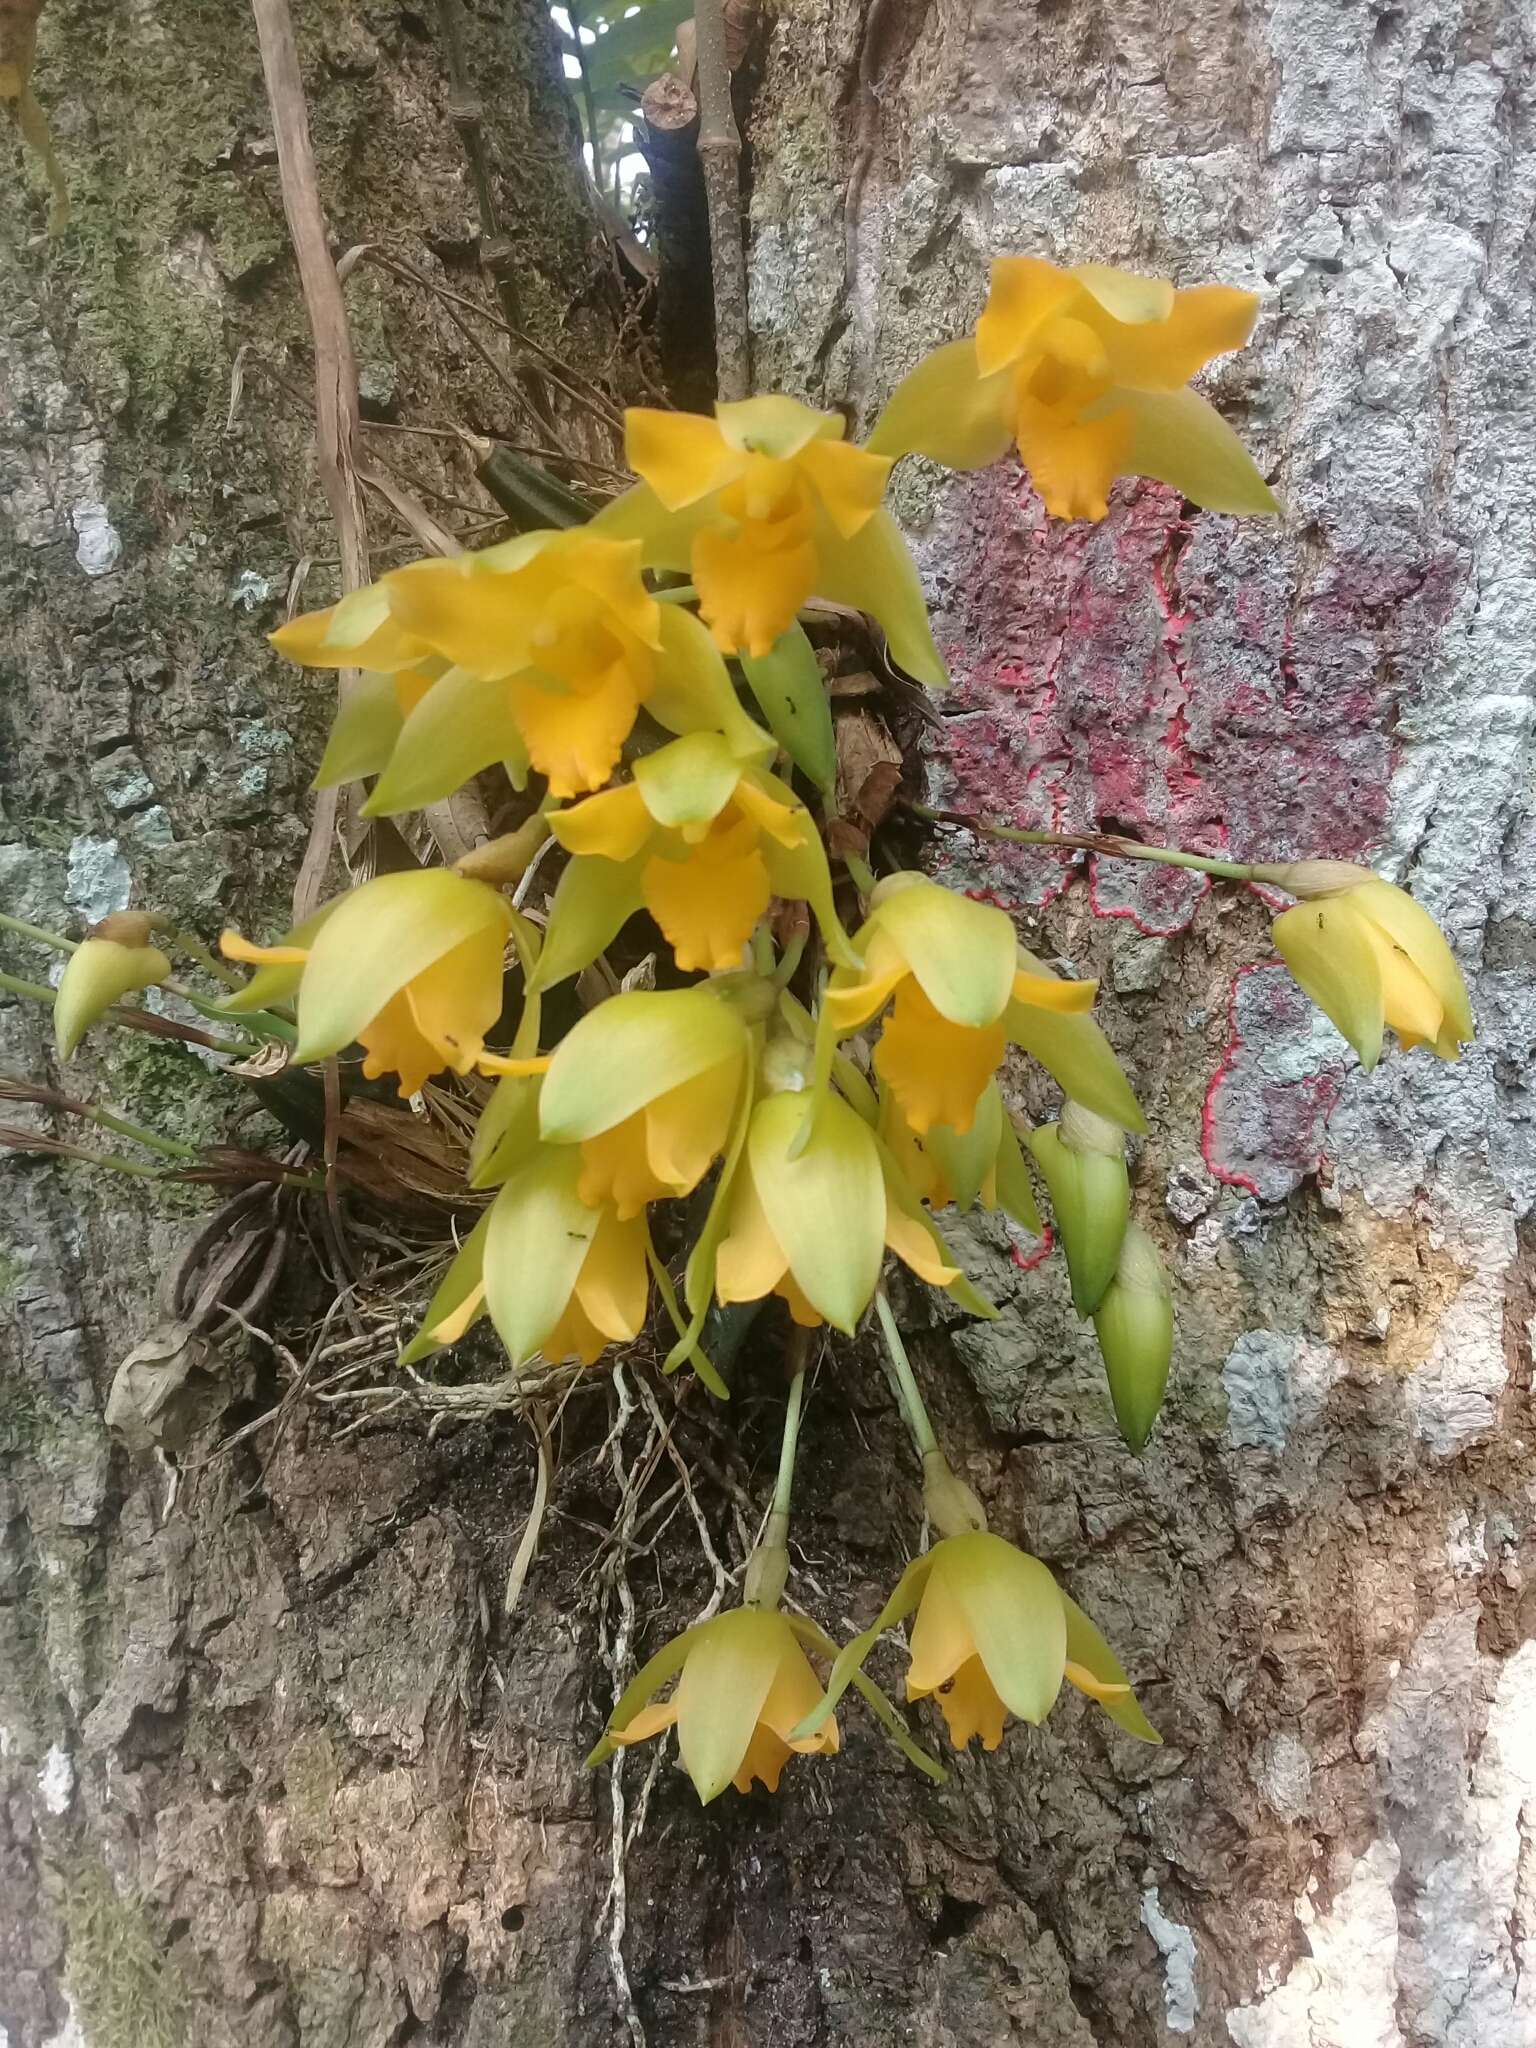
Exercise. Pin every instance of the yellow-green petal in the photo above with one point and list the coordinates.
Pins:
(376, 940)
(1013, 1608)
(463, 1276)
(507, 1131)
(363, 736)
(1331, 960)
(648, 1680)
(1413, 931)
(963, 953)
(537, 1237)
(666, 538)
(1079, 1058)
(1124, 294)
(874, 573)
(1015, 1195)
(905, 1595)
(98, 972)
(689, 781)
(827, 1207)
(692, 691)
(631, 1049)
(965, 1158)
(1179, 438)
(775, 426)
(593, 900)
(945, 409)
(725, 1682)
(463, 724)
(1087, 1649)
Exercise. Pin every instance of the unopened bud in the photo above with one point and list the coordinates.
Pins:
(785, 1066)
(1084, 1130)
(98, 973)
(952, 1507)
(508, 858)
(1090, 1194)
(1135, 1331)
(1307, 878)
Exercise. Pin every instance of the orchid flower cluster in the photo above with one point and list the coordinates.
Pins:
(814, 1095)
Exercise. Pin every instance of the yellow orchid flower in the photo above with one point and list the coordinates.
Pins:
(700, 840)
(648, 1086)
(963, 987)
(982, 1165)
(409, 965)
(743, 1682)
(1087, 369)
(540, 651)
(813, 1225)
(1369, 957)
(558, 1277)
(113, 961)
(766, 505)
(995, 1635)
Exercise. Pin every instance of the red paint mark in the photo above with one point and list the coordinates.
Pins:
(1208, 1107)
(1027, 1261)
(1213, 696)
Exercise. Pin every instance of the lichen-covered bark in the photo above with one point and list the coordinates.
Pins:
(340, 1793)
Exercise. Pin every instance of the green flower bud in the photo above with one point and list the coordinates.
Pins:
(1083, 1161)
(1135, 1330)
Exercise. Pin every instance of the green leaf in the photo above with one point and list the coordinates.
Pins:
(792, 694)
(629, 1050)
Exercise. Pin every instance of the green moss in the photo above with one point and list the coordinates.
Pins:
(125, 1991)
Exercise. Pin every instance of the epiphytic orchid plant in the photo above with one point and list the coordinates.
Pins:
(822, 1071)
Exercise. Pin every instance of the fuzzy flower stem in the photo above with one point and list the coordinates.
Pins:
(1109, 845)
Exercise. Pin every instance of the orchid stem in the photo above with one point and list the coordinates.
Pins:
(899, 1368)
(1110, 845)
(768, 1566)
(194, 949)
(40, 933)
(120, 1126)
(677, 593)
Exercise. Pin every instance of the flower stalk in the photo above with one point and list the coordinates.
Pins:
(1110, 845)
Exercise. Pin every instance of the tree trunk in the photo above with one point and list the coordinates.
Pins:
(277, 1769)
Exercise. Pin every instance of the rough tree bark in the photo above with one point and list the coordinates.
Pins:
(281, 1725)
